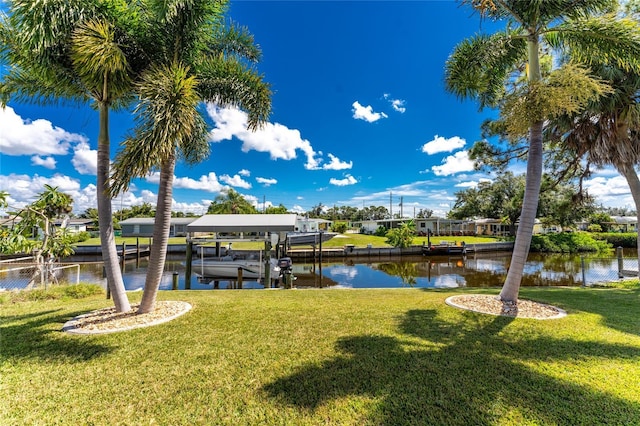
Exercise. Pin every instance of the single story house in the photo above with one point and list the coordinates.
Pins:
(143, 226)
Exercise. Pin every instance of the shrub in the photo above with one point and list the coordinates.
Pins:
(380, 232)
(568, 243)
(616, 239)
(339, 227)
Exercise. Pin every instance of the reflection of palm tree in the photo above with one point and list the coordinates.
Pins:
(406, 270)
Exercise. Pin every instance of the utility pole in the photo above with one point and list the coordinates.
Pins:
(401, 207)
(391, 204)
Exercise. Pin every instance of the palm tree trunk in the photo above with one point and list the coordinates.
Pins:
(162, 227)
(105, 221)
(629, 172)
(511, 287)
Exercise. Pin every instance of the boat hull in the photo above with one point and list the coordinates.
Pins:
(220, 268)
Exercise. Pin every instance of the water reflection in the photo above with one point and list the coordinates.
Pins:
(480, 270)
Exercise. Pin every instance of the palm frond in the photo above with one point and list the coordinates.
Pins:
(478, 66)
(228, 82)
(602, 40)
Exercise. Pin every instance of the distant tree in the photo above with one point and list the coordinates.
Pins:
(317, 211)
(55, 242)
(424, 213)
(603, 220)
(402, 236)
(231, 202)
(281, 209)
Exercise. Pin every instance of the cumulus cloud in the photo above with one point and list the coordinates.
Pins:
(236, 181)
(46, 162)
(244, 172)
(610, 191)
(440, 144)
(24, 189)
(366, 113)
(336, 164)
(37, 137)
(266, 181)
(273, 138)
(209, 183)
(85, 159)
(471, 184)
(459, 162)
(348, 180)
(396, 104)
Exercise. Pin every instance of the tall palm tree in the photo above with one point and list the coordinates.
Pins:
(77, 52)
(194, 58)
(484, 67)
(608, 132)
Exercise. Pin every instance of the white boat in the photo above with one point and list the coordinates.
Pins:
(227, 267)
(309, 238)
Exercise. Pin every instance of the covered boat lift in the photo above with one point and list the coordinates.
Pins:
(215, 227)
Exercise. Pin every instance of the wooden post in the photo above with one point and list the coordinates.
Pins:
(240, 278)
(174, 285)
(187, 270)
(620, 262)
(267, 264)
(124, 252)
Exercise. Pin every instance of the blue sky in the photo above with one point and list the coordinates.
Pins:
(360, 117)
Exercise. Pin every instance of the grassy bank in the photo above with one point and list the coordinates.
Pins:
(357, 240)
(343, 357)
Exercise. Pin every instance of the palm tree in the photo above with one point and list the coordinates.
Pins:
(77, 52)
(486, 67)
(231, 202)
(194, 58)
(608, 132)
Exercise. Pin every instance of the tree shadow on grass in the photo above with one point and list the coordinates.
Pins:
(619, 308)
(457, 372)
(32, 336)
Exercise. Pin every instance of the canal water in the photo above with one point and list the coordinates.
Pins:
(476, 270)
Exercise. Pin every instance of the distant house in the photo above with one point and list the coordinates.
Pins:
(75, 225)
(143, 226)
(624, 224)
(305, 224)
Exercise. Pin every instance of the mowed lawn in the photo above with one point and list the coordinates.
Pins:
(337, 357)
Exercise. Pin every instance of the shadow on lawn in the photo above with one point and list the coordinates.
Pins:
(459, 372)
(32, 335)
(619, 308)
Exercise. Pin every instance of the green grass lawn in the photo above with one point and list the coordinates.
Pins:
(339, 357)
(358, 240)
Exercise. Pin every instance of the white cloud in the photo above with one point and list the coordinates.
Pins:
(336, 164)
(244, 172)
(610, 191)
(440, 144)
(366, 113)
(236, 181)
(38, 137)
(24, 189)
(266, 181)
(85, 159)
(459, 162)
(297, 209)
(46, 162)
(396, 104)
(348, 180)
(471, 184)
(207, 183)
(274, 138)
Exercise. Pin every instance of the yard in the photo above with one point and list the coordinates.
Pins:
(343, 357)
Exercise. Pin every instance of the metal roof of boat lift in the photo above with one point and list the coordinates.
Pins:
(244, 223)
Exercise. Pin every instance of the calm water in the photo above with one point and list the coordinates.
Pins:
(479, 270)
